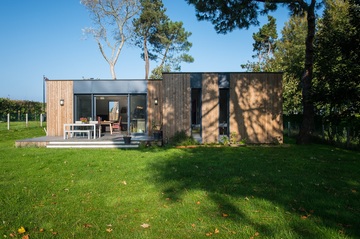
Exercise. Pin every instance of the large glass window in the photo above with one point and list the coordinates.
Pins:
(137, 113)
(82, 106)
(112, 108)
(224, 112)
(129, 109)
(196, 113)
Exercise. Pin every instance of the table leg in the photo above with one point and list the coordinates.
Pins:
(94, 131)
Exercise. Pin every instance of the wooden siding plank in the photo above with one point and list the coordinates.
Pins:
(58, 115)
(256, 107)
(210, 108)
(176, 106)
(154, 89)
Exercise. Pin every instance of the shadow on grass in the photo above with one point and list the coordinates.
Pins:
(315, 187)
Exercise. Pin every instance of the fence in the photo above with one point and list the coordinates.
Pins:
(16, 121)
(345, 134)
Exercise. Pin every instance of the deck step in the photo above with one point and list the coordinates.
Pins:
(91, 144)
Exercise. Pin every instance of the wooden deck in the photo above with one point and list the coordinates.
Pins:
(106, 141)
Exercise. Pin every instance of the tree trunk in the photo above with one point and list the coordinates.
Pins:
(146, 59)
(308, 125)
(112, 69)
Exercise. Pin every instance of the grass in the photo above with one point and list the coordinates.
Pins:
(287, 191)
(19, 125)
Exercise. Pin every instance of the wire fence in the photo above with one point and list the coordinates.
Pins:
(19, 121)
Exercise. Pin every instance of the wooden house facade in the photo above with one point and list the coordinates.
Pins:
(204, 105)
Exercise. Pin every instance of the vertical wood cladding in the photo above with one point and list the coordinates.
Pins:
(256, 107)
(57, 115)
(255, 113)
(176, 104)
(210, 108)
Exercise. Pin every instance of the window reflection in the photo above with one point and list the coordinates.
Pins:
(83, 107)
(138, 113)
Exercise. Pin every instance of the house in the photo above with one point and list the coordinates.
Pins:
(204, 105)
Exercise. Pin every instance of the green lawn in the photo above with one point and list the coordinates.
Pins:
(19, 125)
(286, 191)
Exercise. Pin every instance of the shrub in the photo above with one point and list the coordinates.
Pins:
(181, 138)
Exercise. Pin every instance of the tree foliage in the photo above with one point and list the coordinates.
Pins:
(113, 26)
(156, 73)
(264, 46)
(290, 59)
(170, 45)
(336, 88)
(337, 61)
(286, 55)
(265, 42)
(161, 39)
(150, 20)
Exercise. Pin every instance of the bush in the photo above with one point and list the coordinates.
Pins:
(181, 138)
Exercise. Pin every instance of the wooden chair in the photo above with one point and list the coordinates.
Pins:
(117, 125)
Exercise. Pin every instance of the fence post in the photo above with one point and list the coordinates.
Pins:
(41, 119)
(8, 121)
(27, 119)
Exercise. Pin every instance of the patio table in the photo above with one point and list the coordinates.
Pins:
(80, 127)
(107, 123)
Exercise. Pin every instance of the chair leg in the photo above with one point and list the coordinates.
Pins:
(99, 131)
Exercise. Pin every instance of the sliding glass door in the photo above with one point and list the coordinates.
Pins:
(129, 109)
(137, 115)
(111, 108)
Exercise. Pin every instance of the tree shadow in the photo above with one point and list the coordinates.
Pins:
(256, 107)
(303, 187)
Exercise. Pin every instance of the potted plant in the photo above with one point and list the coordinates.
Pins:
(84, 120)
(157, 132)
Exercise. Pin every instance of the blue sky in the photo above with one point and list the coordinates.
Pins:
(44, 37)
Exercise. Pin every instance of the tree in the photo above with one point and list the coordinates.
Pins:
(150, 20)
(337, 61)
(170, 46)
(227, 15)
(161, 39)
(156, 73)
(286, 55)
(113, 26)
(264, 46)
(289, 57)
